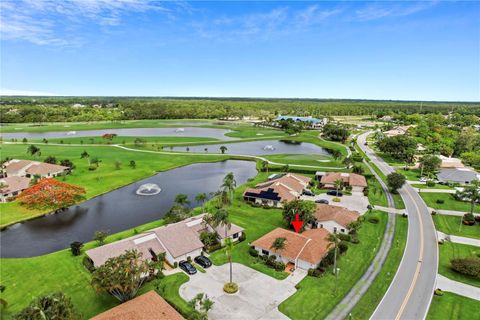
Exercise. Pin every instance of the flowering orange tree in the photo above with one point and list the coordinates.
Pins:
(50, 193)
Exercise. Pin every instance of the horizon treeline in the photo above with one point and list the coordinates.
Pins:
(51, 109)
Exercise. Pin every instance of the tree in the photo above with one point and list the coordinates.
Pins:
(278, 244)
(334, 240)
(138, 142)
(305, 210)
(338, 184)
(51, 306)
(85, 155)
(121, 276)
(265, 166)
(229, 184)
(67, 163)
(182, 199)
(100, 237)
(24, 140)
(118, 164)
(429, 164)
(358, 169)
(33, 150)
(395, 181)
(229, 252)
(132, 164)
(335, 132)
(201, 198)
(220, 218)
(76, 248)
(472, 193)
(223, 149)
(51, 193)
(96, 161)
(335, 153)
(50, 159)
(400, 147)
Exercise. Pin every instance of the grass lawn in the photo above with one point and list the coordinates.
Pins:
(436, 186)
(455, 250)
(306, 159)
(171, 285)
(451, 225)
(376, 195)
(452, 306)
(103, 179)
(369, 301)
(126, 140)
(449, 202)
(410, 174)
(315, 297)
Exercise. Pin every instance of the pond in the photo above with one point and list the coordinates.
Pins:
(129, 132)
(263, 147)
(119, 209)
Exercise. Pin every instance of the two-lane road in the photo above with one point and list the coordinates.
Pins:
(411, 291)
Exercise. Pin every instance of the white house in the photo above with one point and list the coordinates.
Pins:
(335, 219)
(29, 168)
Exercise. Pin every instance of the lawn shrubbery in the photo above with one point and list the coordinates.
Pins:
(469, 266)
(468, 219)
(373, 220)
(270, 261)
(440, 201)
(430, 183)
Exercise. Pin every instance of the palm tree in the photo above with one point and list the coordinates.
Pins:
(334, 242)
(228, 252)
(96, 161)
(278, 244)
(229, 185)
(338, 184)
(201, 198)
(85, 155)
(33, 150)
(265, 166)
(182, 199)
(223, 149)
(220, 218)
(207, 305)
(471, 192)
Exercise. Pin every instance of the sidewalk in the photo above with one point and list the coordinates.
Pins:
(389, 210)
(457, 239)
(420, 190)
(457, 287)
(450, 212)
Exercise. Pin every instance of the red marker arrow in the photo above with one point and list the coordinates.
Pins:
(297, 223)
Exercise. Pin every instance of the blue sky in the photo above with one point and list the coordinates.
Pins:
(370, 50)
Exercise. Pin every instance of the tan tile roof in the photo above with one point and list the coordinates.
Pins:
(310, 246)
(230, 232)
(14, 184)
(148, 306)
(178, 238)
(288, 187)
(351, 179)
(342, 216)
(32, 167)
(14, 165)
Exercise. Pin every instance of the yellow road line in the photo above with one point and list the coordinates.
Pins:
(419, 263)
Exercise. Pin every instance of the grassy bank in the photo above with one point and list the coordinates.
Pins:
(369, 301)
(453, 306)
(315, 297)
(452, 225)
(450, 251)
(449, 202)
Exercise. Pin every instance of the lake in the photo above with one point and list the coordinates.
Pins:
(119, 209)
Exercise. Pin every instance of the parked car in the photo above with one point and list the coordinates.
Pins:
(308, 193)
(203, 261)
(187, 267)
(324, 201)
(334, 193)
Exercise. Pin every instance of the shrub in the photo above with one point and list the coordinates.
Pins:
(468, 266)
(438, 292)
(355, 240)
(242, 237)
(365, 191)
(468, 219)
(253, 252)
(92, 168)
(477, 218)
(280, 266)
(230, 287)
(440, 201)
(76, 248)
(214, 247)
(336, 199)
(189, 259)
(373, 220)
(328, 259)
(342, 247)
(344, 237)
(88, 264)
(175, 264)
(434, 212)
(430, 183)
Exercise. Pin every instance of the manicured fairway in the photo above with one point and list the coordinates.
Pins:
(449, 202)
(369, 301)
(315, 297)
(449, 251)
(452, 306)
(452, 225)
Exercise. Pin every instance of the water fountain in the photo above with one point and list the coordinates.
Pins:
(148, 189)
(180, 130)
(269, 147)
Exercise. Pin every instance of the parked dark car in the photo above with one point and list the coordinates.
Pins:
(308, 193)
(334, 193)
(203, 261)
(324, 201)
(187, 267)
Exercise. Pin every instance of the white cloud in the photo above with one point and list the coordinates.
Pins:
(15, 92)
(389, 9)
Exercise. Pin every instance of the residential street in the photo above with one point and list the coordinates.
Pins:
(410, 292)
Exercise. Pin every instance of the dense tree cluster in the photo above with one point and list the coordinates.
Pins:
(400, 147)
(336, 132)
(45, 109)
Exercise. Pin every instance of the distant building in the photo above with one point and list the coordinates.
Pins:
(148, 306)
(313, 122)
(274, 192)
(457, 175)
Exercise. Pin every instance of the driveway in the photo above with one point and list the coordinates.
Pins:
(258, 297)
(356, 202)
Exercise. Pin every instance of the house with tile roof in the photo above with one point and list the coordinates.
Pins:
(303, 250)
(274, 192)
(356, 181)
(178, 241)
(148, 306)
(334, 218)
(29, 168)
(312, 122)
(10, 187)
